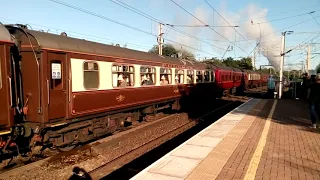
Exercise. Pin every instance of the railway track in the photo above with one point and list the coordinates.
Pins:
(118, 162)
(106, 169)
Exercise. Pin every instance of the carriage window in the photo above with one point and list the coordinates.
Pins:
(190, 76)
(199, 77)
(206, 76)
(212, 76)
(148, 75)
(90, 75)
(56, 75)
(166, 76)
(179, 76)
(122, 75)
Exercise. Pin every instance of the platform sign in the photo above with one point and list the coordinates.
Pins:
(56, 70)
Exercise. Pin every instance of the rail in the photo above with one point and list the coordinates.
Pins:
(124, 159)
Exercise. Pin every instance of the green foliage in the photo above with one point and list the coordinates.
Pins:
(318, 68)
(231, 63)
(169, 50)
(213, 61)
(267, 70)
(244, 63)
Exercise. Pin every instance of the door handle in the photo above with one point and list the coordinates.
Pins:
(48, 91)
(10, 91)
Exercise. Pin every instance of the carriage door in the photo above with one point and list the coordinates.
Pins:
(57, 85)
(5, 89)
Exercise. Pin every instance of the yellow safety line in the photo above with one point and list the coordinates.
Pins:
(254, 163)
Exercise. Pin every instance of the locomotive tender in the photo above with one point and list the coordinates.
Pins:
(57, 90)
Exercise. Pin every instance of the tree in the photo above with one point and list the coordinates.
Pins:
(170, 50)
(187, 55)
(268, 70)
(167, 50)
(213, 61)
(318, 68)
(230, 62)
(245, 63)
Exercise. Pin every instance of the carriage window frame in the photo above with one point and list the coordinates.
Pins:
(127, 72)
(183, 75)
(188, 75)
(98, 70)
(202, 76)
(169, 74)
(206, 72)
(212, 75)
(143, 73)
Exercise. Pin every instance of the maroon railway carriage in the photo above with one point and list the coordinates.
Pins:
(57, 90)
(224, 77)
(245, 77)
(65, 90)
(237, 75)
(253, 79)
(6, 104)
(264, 79)
(227, 79)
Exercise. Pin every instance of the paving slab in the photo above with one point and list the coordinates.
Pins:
(182, 161)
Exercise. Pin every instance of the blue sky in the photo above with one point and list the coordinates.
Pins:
(55, 18)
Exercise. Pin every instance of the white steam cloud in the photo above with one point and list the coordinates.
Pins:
(242, 18)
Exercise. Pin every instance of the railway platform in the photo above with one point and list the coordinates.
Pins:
(261, 139)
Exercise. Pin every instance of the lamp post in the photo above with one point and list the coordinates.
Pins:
(283, 53)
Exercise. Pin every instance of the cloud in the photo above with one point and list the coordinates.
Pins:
(242, 18)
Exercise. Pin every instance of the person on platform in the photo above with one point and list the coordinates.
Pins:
(304, 86)
(271, 86)
(313, 96)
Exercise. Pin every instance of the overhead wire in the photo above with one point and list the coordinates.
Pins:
(288, 17)
(227, 21)
(203, 23)
(290, 26)
(315, 20)
(285, 12)
(82, 34)
(159, 21)
(120, 23)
